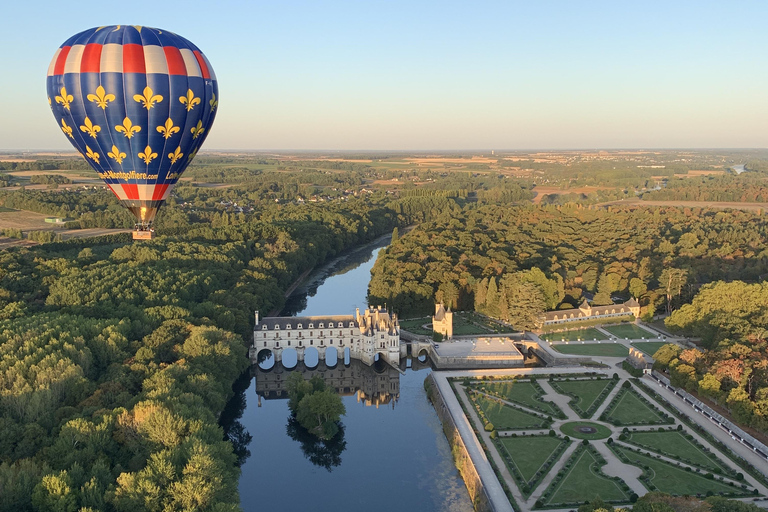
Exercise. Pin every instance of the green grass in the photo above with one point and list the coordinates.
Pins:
(529, 453)
(674, 480)
(586, 391)
(465, 326)
(631, 331)
(593, 349)
(583, 483)
(631, 410)
(574, 335)
(649, 347)
(675, 443)
(415, 325)
(506, 417)
(3, 209)
(523, 393)
(571, 429)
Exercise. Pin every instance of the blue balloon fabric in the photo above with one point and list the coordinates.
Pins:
(137, 103)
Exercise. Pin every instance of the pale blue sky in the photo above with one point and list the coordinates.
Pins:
(433, 74)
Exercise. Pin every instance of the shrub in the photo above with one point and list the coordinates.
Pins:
(626, 384)
(552, 433)
(489, 427)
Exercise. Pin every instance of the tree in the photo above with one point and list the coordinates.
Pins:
(395, 236)
(637, 287)
(672, 281)
(320, 411)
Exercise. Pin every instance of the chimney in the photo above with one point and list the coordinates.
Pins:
(256, 313)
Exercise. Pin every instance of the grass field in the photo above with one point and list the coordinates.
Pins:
(649, 347)
(523, 393)
(674, 443)
(465, 325)
(593, 349)
(630, 410)
(529, 453)
(586, 391)
(3, 209)
(583, 483)
(505, 417)
(630, 331)
(415, 325)
(571, 429)
(674, 480)
(589, 333)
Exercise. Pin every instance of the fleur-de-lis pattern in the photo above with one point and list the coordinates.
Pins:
(213, 103)
(168, 129)
(189, 100)
(64, 99)
(147, 98)
(116, 155)
(197, 130)
(175, 155)
(89, 153)
(101, 97)
(127, 128)
(90, 128)
(147, 155)
(66, 129)
(111, 99)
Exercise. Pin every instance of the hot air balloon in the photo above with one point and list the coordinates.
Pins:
(137, 103)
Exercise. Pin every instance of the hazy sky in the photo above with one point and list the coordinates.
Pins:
(433, 74)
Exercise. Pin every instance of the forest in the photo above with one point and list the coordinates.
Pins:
(116, 358)
(488, 257)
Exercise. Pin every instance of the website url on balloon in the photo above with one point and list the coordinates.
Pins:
(131, 175)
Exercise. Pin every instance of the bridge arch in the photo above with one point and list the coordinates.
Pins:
(290, 358)
(311, 357)
(265, 359)
(332, 357)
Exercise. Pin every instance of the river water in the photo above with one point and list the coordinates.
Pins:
(391, 454)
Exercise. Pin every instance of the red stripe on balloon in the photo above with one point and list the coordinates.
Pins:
(175, 61)
(131, 190)
(159, 191)
(91, 61)
(58, 69)
(133, 59)
(203, 65)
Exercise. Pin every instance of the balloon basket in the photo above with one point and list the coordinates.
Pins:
(144, 235)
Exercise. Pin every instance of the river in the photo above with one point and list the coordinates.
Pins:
(390, 455)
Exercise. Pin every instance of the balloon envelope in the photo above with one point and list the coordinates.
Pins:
(137, 103)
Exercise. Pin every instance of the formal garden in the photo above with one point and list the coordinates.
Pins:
(630, 332)
(557, 441)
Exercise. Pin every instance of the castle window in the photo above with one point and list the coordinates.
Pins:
(277, 327)
(265, 343)
(330, 324)
(264, 327)
(310, 333)
(340, 334)
(299, 342)
(311, 326)
(289, 343)
(331, 342)
(311, 342)
(298, 326)
(351, 324)
(350, 331)
(265, 335)
(321, 325)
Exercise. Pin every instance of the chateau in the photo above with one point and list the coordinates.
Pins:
(374, 332)
(587, 312)
(442, 322)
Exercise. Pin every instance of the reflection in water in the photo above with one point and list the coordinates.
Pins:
(323, 453)
(372, 385)
(234, 431)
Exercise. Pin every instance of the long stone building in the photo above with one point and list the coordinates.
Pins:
(366, 335)
(587, 312)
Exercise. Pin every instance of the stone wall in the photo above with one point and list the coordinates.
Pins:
(460, 455)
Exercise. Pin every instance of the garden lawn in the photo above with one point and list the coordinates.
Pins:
(506, 417)
(415, 325)
(586, 391)
(674, 443)
(630, 410)
(463, 326)
(583, 484)
(631, 331)
(649, 347)
(529, 453)
(593, 349)
(574, 335)
(523, 393)
(674, 480)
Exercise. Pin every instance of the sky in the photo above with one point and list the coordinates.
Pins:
(432, 75)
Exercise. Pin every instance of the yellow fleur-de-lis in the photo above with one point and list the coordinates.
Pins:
(175, 155)
(90, 128)
(67, 129)
(168, 129)
(149, 98)
(197, 130)
(116, 154)
(147, 155)
(49, 101)
(191, 156)
(91, 154)
(64, 99)
(213, 103)
(189, 100)
(101, 97)
(127, 128)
